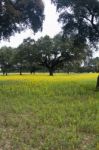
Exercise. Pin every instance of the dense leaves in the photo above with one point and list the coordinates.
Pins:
(16, 15)
(26, 55)
(6, 58)
(80, 19)
(53, 52)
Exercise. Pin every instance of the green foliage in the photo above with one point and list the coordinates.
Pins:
(80, 19)
(26, 55)
(51, 52)
(95, 63)
(17, 15)
(6, 58)
(57, 51)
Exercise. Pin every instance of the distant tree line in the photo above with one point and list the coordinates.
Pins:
(45, 54)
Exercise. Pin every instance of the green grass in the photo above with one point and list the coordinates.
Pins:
(38, 112)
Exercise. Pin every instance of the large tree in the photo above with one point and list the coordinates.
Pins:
(26, 55)
(49, 54)
(6, 59)
(55, 51)
(17, 15)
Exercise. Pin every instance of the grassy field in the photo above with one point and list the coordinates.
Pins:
(38, 112)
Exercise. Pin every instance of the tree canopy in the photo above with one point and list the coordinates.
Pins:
(55, 51)
(80, 19)
(17, 15)
(6, 58)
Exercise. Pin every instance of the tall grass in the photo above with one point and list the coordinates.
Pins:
(38, 112)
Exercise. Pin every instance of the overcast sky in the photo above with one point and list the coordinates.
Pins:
(50, 27)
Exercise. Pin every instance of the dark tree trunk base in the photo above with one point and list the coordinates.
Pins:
(51, 73)
(20, 73)
(5, 73)
(97, 85)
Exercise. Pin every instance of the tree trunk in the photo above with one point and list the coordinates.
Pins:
(51, 72)
(97, 85)
(3, 73)
(31, 72)
(20, 72)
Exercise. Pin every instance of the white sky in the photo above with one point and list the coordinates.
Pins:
(50, 27)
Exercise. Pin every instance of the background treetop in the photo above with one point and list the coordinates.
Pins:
(17, 15)
(80, 18)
